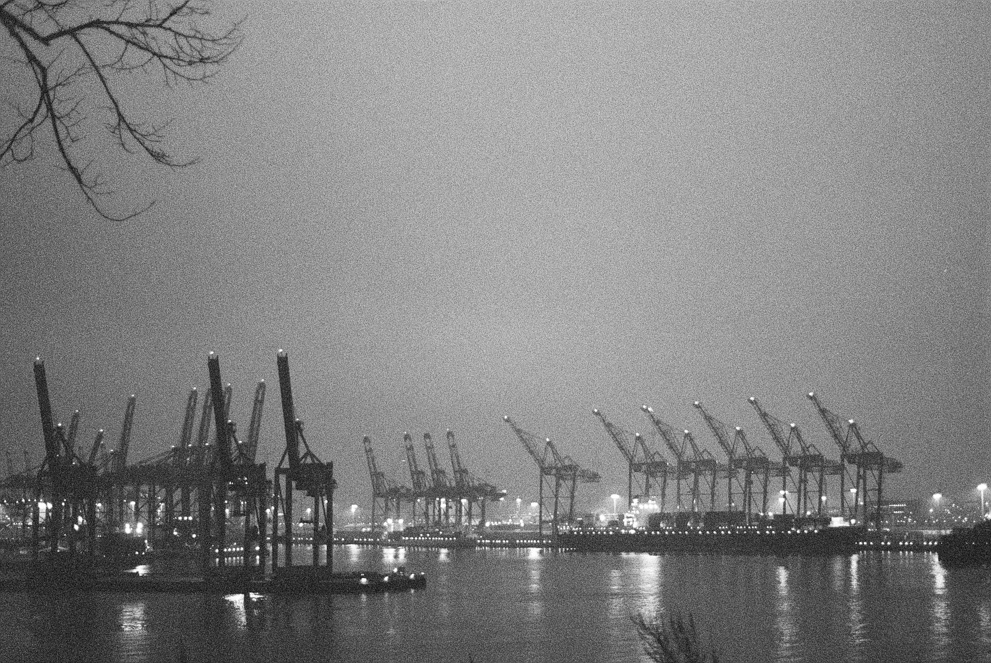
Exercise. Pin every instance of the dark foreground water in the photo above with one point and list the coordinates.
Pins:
(521, 605)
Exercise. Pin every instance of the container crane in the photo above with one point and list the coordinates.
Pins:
(752, 461)
(305, 472)
(387, 495)
(65, 482)
(813, 467)
(421, 489)
(693, 462)
(469, 487)
(864, 464)
(441, 491)
(558, 474)
(643, 464)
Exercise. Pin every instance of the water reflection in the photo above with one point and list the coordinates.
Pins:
(785, 616)
(132, 616)
(858, 629)
(940, 615)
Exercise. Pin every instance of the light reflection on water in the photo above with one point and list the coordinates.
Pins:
(520, 605)
(940, 618)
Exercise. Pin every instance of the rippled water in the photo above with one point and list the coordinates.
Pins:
(524, 605)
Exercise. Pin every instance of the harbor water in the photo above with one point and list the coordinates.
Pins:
(532, 605)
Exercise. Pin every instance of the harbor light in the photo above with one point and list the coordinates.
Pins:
(615, 499)
(982, 487)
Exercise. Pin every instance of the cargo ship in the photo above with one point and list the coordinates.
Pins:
(966, 546)
(720, 533)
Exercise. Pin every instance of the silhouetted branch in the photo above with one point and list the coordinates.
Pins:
(77, 50)
(673, 640)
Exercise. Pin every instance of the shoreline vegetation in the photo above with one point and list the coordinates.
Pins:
(672, 639)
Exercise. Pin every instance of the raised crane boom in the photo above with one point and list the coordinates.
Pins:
(720, 432)
(119, 461)
(417, 476)
(186, 433)
(254, 428)
(437, 474)
(70, 437)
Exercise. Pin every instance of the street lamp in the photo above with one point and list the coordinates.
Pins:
(982, 487)
(354, 508)
(615, 499)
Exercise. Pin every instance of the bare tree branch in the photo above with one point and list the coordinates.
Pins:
(79, 54)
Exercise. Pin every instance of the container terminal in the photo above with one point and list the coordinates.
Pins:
(84, 516)
(87, 520)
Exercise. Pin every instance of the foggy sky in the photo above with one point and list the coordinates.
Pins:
(449, 212)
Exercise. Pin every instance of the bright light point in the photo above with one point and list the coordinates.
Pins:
(982, 487)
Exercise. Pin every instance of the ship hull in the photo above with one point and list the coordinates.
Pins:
(742, 541)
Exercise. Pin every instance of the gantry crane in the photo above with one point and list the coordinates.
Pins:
(65, 484)
(643, 465)
(753, 462)
(693, 462)
(867, 463)
(304, 472)
(441, 491)
(387, 495)
(812, 466)
(558, 474)
(418, 478)
(469, 487)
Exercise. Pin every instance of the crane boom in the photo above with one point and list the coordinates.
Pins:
(254, 428)
(775, 427)
(718, 429)
(124, 442)
(70, 437)
(186, 434)
(95, 449)
(530, 443)
(462, 479)
(288, 412)
(417, 476)
(668, 434)
(834, 424)
(221, 406)
(437, 474)
(619, 436)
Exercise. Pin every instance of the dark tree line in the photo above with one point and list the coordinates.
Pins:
(80, 57)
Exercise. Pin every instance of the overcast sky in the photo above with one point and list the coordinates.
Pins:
(447, 212)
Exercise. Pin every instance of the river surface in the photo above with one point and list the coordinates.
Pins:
(528, 605)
